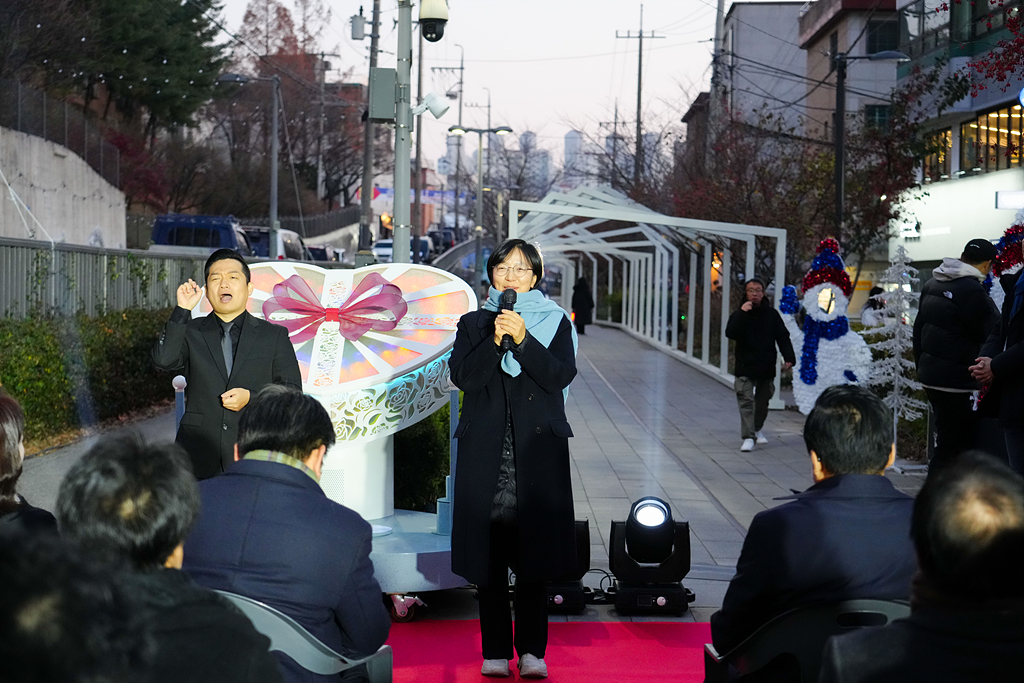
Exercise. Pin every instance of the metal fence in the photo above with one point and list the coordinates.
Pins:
(31, 111)
(66, 279)
(312, 226)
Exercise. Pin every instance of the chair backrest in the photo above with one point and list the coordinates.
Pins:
(802, 632)
(291, 638)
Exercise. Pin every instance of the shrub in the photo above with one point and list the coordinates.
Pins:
(422, 457)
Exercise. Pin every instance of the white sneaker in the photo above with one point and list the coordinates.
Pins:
(531, 667)
(761, 438)
(748, 445)
(495, 667)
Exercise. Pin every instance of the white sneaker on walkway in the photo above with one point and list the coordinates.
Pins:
(748, 445)
(761, 438)
(495, 667)
(531, 667)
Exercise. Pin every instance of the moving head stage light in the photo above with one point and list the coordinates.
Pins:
(649, 555)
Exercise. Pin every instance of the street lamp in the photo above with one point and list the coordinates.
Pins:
(275, 148)
(500, 130)
(839, 61)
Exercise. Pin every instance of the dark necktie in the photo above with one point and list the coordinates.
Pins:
(225, 345)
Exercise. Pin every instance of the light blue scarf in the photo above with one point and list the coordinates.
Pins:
(542, 317)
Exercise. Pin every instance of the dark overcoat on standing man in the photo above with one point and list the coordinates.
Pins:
(192, 347)
(544, 511)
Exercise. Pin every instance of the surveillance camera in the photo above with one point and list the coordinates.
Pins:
(434, 103)
(433, 17)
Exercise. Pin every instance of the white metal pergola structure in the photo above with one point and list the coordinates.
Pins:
(647, 250)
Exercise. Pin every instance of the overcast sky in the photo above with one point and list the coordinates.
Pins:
(551, 65)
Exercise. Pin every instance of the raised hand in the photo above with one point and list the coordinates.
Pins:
(189, 295)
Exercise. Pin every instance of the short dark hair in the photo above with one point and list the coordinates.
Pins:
(531, 253)
(968, 528)
(850, 430)
(64, 617)
(754, 279)
(283, 419)
(223, 255)
(129, 501)
(12, 432)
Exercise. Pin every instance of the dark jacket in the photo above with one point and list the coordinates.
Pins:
(955, 318)
(846, 537)
(1005, 346)
(264, 355)
(26, 518)
(933, 644)
(268, 531)
(583, 303)
(756, 332)
(199, 636)
(543, 485)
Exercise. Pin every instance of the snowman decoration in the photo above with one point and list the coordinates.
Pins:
(829, 352)
(1008, 259)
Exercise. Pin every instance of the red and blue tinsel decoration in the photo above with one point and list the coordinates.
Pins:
(1008, 258)
(828, 266)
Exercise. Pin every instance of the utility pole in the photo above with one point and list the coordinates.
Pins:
(321, 180)
(638, 158)
(366, 213)
(614, 123)
(403, 125)
(458, 154)
(417, 214)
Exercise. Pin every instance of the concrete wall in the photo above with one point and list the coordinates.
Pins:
(957, 211)
(72, 202)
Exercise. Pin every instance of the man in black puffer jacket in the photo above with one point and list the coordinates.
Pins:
(955, 317)
(756, 328)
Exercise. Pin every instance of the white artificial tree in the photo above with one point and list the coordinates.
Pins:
(897, 340)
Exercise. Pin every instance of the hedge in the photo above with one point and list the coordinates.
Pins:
(422, 456)
(72, 372)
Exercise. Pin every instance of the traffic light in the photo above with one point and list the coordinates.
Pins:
(385, 225)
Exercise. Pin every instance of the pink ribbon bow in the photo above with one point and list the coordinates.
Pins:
(295, 296)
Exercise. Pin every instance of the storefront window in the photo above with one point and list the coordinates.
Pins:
(936, 162)
(992, 142)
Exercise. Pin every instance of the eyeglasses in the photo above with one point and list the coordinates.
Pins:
(517, 271)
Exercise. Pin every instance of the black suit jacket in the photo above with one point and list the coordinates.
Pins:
(264, 355)
(268, 531)
(845, 538)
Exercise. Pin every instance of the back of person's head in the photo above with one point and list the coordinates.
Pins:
(222, 254)
(968, 529)
(978, 251)
(850, 430)
(285, 420)
(63, 619)
(12, 456)
(129, 501)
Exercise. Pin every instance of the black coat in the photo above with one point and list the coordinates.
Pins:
(199, 636)
(756, 332)
(847, 537)
(28, 519)
(543, 486)
(933, 644)
(264, 355)
(583, 305)
(268, 531)
(1005, 346)
(954, 319)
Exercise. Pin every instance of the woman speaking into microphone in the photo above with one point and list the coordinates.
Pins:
(513, 495)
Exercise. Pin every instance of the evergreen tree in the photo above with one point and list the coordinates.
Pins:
(893, 368)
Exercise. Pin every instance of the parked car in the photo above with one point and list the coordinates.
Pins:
(383, 250)
(184, 233)
(324, 252)
(289, 245)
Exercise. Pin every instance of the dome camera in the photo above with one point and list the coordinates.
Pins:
(433, 17)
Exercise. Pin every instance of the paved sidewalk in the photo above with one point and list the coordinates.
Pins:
(645, 423)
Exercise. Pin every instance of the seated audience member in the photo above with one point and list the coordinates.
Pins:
(268, 531)
(15, 512)
(967, 608)
(63, 619)
(844, 538)
(133, 503)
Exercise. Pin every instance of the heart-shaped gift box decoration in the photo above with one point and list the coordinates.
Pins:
(372, 343)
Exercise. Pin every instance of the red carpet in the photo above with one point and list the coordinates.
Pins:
(578, 652)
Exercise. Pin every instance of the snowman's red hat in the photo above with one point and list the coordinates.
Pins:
(828, 266)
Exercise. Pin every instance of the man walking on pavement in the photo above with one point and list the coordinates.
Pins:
(756, 328)
(955, 317)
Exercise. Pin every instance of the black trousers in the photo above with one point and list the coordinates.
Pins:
(531, 602)
(956, 426)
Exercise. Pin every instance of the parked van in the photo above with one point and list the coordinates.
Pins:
(186, 234)
(289, 245)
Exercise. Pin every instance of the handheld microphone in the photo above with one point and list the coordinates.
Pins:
(507, 303)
